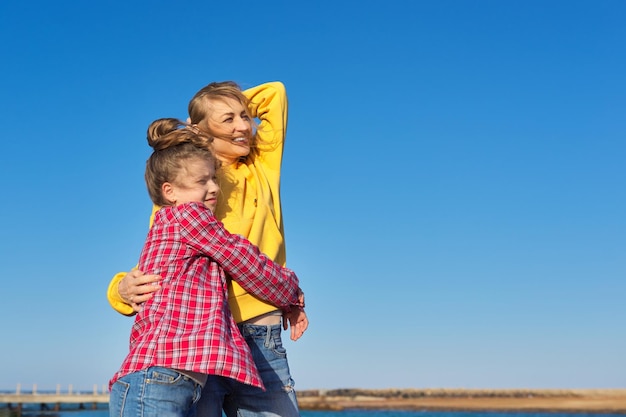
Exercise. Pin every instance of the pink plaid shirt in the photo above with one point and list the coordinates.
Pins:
(187, 324)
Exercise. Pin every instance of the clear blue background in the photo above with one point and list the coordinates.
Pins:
(453, 183)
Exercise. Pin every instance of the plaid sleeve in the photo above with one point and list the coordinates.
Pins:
(239, 258)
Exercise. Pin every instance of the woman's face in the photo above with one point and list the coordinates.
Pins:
(231, 127)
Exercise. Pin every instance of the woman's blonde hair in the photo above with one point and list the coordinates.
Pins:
(200, 103)
(174, 142)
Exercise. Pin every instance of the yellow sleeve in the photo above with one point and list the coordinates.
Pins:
(113, 294)
(268, 103)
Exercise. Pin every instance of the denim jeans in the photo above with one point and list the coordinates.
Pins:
(154, 392)
(241, 400)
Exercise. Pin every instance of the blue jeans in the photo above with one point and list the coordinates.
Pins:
(154, 392)
(241, 400)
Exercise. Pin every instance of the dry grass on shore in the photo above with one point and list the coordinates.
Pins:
(592, 400)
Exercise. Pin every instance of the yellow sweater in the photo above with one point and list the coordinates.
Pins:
(249, 203)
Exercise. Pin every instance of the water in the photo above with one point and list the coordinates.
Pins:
(68, 411)
(395, 413)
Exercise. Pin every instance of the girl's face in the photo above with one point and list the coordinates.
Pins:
(231, 127)
(196, 182)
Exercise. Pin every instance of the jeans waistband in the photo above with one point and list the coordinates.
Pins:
(260, 330)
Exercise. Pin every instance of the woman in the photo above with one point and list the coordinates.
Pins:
(249, 206)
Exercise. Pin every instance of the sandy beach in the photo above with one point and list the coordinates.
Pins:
(571, 401)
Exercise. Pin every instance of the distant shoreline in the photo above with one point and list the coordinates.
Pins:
(523, 400)
(609, 401)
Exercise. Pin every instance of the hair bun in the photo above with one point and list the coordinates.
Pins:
(168, 132)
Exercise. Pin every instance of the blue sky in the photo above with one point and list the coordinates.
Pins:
(453, 182)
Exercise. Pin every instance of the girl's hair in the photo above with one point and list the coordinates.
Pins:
(174, 142)
(199, 105)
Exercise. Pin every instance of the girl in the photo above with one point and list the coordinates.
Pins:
(186, 332)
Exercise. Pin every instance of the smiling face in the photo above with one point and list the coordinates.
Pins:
(231, 127)
(195, 182)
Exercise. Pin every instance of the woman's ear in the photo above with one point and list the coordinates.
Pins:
(169, 192)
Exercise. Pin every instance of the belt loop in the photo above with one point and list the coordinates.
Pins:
(268, 336)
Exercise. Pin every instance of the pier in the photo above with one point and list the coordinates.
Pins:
(53, 400)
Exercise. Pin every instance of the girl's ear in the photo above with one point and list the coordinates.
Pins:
(169, 192)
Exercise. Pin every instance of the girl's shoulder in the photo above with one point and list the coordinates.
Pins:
(192, 209)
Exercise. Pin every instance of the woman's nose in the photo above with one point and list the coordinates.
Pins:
(242, 125)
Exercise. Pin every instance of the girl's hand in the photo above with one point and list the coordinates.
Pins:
(298, 321)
